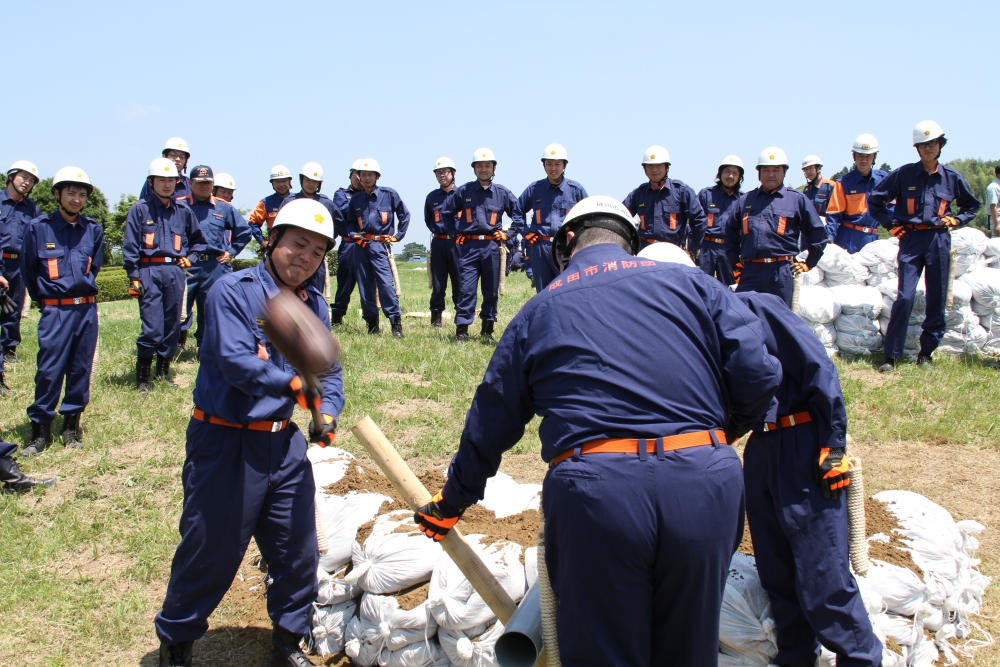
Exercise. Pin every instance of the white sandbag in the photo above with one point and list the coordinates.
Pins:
(961, 293)
(451, 598)
(906, 594)
(666, 252)
(424, 654)
(363, 643)
(814, 276)
(334, 590)
(961, 320)
(826, 333)
(982, 310)
(993, 247)
(341, 516)
(876, 279)
(330, 627)
(954, 343)
(329, 464)
(859, 344)
(746, 627)
(817, 304)
(880, 258)
(858, 299)
(855, 324)
(365, 647)
(471, 648)
(917, 313)
(530, 566)
(890, 288)
(397, 627)
(505, 497)
(985, 284)
(391, 560)
(969, 244)
(840, 268)
(966, 263)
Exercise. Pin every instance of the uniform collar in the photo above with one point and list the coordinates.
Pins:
(61, 222)
(211, 201)
(562, 183)
(666, 185)
(271, 288)
(374, 192)
(778, 192)
(8, 196)
(483, 187)
(591, 252)
(156, 203)
(722, 191)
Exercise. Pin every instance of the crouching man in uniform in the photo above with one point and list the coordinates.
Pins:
(642, 486)
(246, 472)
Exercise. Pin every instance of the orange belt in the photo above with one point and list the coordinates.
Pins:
(789, 420)
(921, 228)
(441, 236)
(273, 427)
(631, 445)
(714, 239)
(158, 260)
(866, 230)
(649, 240)
(772, 260)
(76, 301)
(11, 255)
(544, 238)
(477, 237)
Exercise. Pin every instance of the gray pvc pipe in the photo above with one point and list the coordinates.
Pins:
(521, 641)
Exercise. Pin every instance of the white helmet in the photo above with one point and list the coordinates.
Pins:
(224, 180)
(732, 161)
(810, 161)
(369, 164)
(484, 155)
(312, 170)
(865, 144)
(23, 165)
(164, 167)
(76, 175)
(306, 214)
(176, 144)
(356, 165)
(656, 155)
(555, 152)
(926, 130)
(666, 252)
(280, 171)
(772, 156)
(444, 163)
(588, 207)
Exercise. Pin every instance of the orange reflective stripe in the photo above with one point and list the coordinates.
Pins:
(493, 218)
(746, 224)
(90, 261)
(943, 208)
(711, 219)
(468, 215)
(538, 217)
(631, 446)
(673, 221)
(856, 204)
(782, 225)
(437, 215)
(150, 239)
(177, 242)
(836, 203)
(910, 206)
(385, 216)
(642, 222)
(53, 265)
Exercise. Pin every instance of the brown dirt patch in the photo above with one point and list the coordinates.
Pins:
(363, 480)
(413, 597)
(410, 407)
(746, 546)
(879, 520)
(521, 528)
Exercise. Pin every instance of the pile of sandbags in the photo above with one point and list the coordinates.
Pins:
(985, 302)
(841, 267)
(819, 309)
(993, 253)
(857, 327)
(880, 259)
(970, 245)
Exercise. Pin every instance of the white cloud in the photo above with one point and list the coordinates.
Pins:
(127, 112)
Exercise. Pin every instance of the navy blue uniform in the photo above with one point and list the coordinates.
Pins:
(762, 232)
(156, 237)
(183, 189)
(922, 200)
(796, 532)
(318, 279)
(444, 252)
(478, 211)
(821, 195)
(60, 262)
(14, 217)
(347, 274)
(548, 205)
(381, 213)
(224, 230)
(670, 213)
(661, 529)
(241, 480)
(848, 221)
(715, 201)
(264, 214)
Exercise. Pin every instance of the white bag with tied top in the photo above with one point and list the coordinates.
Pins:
(330, 627)
(473, 647)
(395, 556)
(746, 627)
(397, 627)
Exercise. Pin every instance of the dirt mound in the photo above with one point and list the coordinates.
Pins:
(879, 520)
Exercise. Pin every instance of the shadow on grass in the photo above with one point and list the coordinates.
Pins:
(225, 647)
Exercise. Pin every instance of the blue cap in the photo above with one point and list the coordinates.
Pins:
(202, 174)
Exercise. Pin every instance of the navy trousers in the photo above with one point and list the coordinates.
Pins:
(160, 309)
(200, 279)
(444, 267)
(714, 262)
(373, 272)
(347, 278)
(661, 535)
(67, 338)
(800, 543)
(852, 240)
(543, 268)
(7, 449)
(478, 263)
(920, 250)
(774, 278)
(10, 325)
(240, 483)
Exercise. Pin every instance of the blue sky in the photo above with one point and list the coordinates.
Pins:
(249, 85)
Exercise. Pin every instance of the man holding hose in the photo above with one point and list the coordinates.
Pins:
(642, 487)
(246, 472)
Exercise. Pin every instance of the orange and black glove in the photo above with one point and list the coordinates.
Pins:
(303, 394)
(950, 221)
(460, 239)
(500, 236)
(798, 268)
(7, 305)
(437, 517)
(899, 231)
(532, 238)
(833, 472)
(325, 435)
(361, 241)
(388, 238)
(135, 289)
(184, 263)
(737, 272)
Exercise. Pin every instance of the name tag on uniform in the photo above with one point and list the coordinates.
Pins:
(912, 188)
(50, 246)
(641, 205)
(150, 222)
(468, 201)
(854, 192)
(538, 201)
(218, 215)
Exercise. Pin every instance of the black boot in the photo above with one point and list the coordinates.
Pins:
(397, 326)
(182, 341)
(887, 365)
(163, 370)
(924, 360)
(41, 437)
(336, 318)
(461, 333)
(436, 319)
(4, 389)
(487, 331)
(10, 355)
(15, 481)
(373, 325)
(143, 368)
(175, 655)
(285, 651)
(71, 432)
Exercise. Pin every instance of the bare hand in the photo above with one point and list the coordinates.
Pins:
(223, 258)
(3, 282)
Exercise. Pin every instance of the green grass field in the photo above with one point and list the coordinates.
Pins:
(83, 566)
